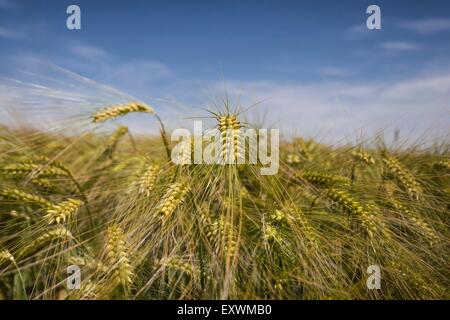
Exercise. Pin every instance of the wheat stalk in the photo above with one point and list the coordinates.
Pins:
(115, 111)
(43, 183)
(350, 205)
(15, 214)
(184, 156)
(88, 262)
(293, 212)
(323, 179)
(221, 231)
(29, 198)
(403, 175)
(443, 164)
(292, 158)
(115, 136)
(21, 169)
(306, 148)
(364, 157)
(112, 142)
(117, 256)
(427, 231)
(57, 233)
(6, 257)
(229, 124)
(173, 197)
(148, 180)
(52, 168)
(178, 264)
(278, 216)
(89, 290)
(59, 213)
(270, 233)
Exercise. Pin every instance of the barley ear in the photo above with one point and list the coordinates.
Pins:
(404, 176)
(173, 197)
(117, 256)
(61, 212)
(115, 111)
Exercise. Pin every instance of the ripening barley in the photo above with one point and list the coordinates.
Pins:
(270, 233)
(210, 227)
(204, 216)
(25, 197)
(117, 256)
(235, 235)
(294, 212)
(405, 272)
(58, 233)
(115, 137)
(426, 230)
(229, 124)
(112, 142)
(221, 231)
(148, 180)
(215, 230)
(126, 163)
(6, 257)
(22, 169)
(185, 153)
(177, 264)
(443, 164)
(278, 216)
(89, 290)
(280, 283)
(115, 111)
(306, 148)
(323, 179)
(41, 160)
(364, 157)
(173, 197)
(15, 214)
(88, 262)
(43, 183)
(63, 211)
(350, 205)
(293, 158)
(404, 176)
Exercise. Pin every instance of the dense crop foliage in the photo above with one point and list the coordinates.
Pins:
(141, 227)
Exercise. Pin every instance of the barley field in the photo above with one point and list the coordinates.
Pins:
(141, 227)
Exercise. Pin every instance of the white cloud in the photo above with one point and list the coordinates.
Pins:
(429, 90)
(332, 110)
(427, 26)
(399, 46)
(344, 109)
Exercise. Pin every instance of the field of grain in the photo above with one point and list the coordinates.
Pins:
(140, 227)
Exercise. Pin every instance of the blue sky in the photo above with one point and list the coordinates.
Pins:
(313, 65)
